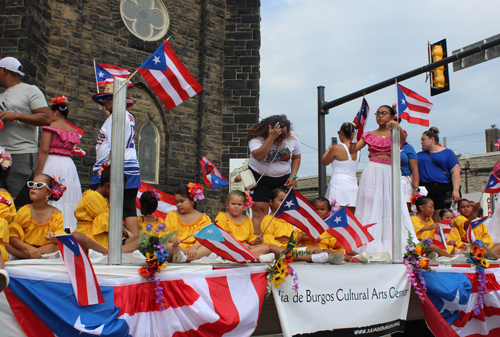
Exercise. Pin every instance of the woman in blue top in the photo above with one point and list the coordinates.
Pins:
(439, 171)
(409, 172)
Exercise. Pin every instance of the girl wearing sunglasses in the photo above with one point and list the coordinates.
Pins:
(34, 222)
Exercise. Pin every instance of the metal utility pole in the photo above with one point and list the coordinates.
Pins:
(397, 253)
(321, 140)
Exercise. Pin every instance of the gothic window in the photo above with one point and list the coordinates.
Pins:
(149, 153)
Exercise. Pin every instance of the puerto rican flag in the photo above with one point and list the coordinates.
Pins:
(344, 226)
(168, 77)
(223, 302)
(296, 210)
(166, 204)
(76, 149)
(446, 227)
(413, 107)
(80, 271)
(469, 236)
(223, 244)
(105, 73)
(450, 302)
(439, 239)
(211, 176)
(361, 118)
(492, 185)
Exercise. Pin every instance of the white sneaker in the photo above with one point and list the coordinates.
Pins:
(267, 258)
(320, 258)
(179, 257)
(379, 257)
(336, 258)
(4, 279)
(362, 257)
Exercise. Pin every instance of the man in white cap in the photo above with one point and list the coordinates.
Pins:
(22, 108)
(130, 164)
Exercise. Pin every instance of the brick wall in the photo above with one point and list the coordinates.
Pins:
(218, 41)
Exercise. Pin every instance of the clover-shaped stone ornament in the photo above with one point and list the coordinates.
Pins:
(146, 19)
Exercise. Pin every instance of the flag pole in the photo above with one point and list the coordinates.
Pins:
(276, 212)
(96, 83)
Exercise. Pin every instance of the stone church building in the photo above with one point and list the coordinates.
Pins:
(57, 42)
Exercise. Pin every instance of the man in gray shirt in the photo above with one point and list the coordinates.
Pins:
(22, 109)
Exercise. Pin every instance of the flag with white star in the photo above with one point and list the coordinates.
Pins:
(223, 244)
(361, 118)
(492, 185)
(211, 175)
(346, 229)
(105, 73)
(296, 210)
(412, 107)
(168, 77)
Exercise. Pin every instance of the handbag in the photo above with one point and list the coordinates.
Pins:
(248, 179)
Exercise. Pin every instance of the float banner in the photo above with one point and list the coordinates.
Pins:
(370, 299)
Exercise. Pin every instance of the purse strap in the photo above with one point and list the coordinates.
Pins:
(277, 149)
(439, 167)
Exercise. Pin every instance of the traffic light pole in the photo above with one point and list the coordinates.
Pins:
(321, 140)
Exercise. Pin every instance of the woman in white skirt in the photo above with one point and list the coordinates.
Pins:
(373, 202)
(343, 185)
(494, 223)
(54, 159)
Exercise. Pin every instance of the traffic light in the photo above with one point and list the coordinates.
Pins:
(440, 81)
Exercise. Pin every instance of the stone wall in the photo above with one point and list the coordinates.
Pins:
(218, 41)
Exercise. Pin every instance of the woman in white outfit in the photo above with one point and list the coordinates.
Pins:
(343, 185)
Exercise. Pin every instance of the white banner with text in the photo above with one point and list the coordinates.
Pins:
(344, 296)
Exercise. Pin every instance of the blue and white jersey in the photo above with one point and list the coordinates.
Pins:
(103, 150)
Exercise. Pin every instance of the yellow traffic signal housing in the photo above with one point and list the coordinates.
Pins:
(439, 76)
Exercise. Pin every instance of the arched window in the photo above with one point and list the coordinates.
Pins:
(149, 153)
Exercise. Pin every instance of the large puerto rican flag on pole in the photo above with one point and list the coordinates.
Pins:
(413, 107)
(223, 244)
(166, 204)
(224, 302)
(168, 77)
(361, 118)
(346, 229)
(296, 210)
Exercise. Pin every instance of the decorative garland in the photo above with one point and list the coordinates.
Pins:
(416, 262)
(5, 158)
(249, 201)
(153, 248)
(477, 256)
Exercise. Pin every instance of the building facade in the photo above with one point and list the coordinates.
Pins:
(57, 41)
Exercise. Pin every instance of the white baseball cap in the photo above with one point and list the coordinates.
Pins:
(12, 64)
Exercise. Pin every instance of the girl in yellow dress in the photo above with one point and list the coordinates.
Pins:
(92, 213)
(424, 225)
(276, 232)
(29, 228)
(469, 213)
(241, 227)
(149, 204)
(7, 213)
(187, 220)
(454, 242)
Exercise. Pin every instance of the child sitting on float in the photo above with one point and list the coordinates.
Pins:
(149, 205)
(183, 247)
(240, 226)
(462, 222)
(276, 233)
(454, 242)
(424, 225)
(30, 226)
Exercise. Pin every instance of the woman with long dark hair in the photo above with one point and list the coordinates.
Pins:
(54, 159)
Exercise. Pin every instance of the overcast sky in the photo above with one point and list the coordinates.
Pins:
(349, 45)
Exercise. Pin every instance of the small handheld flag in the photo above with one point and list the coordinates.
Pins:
(439, 239)
(492, 185)
(412, 107)
(346, 229)
(361, 118)
(80, 271)
(211, 176)
(469, 236)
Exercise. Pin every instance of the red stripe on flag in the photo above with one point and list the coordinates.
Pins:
(188, 77)
(418, 108)
(157, 88)
(35, 327)
(414, 120)
(260, 283)
(176, 85)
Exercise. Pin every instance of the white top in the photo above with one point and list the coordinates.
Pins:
(18, 137)
(283, 162)
(343, 185)
(103, 150)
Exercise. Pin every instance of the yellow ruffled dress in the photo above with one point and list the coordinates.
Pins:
(480, 232)
(277, 228)
(27, 230)
(174, 223)
(327, 242)
(155, 224)
(243, 232)
(7, 213)
(92, 213)
(418, 224)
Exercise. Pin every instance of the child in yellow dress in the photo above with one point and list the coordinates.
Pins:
(469, 213)
(276, 232)
(7, 213)
(424, 225)
(149, 204)
(29, 228)
(454, 242)
(241, 227)
(187, 220)
(92, 213)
